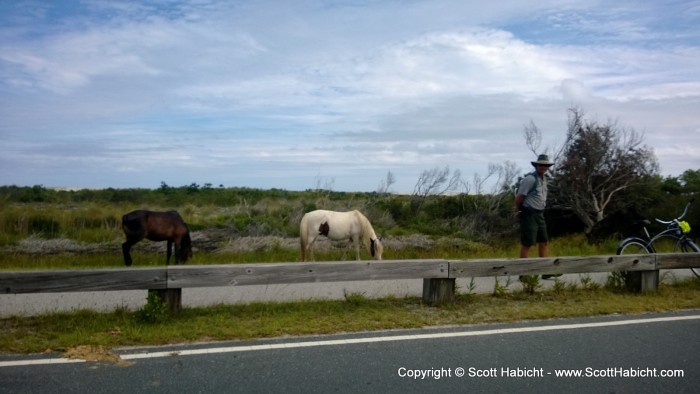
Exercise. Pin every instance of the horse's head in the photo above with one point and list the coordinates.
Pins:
(376, 248)
(186, 254)
(185, 248)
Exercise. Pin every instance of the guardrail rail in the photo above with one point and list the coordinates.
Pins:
(642, 274)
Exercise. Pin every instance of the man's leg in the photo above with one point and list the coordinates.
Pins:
(543, 248)
(528, 236)
(524, 251)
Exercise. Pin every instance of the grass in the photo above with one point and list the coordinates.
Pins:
(38, 253)
(98, 246)
(65, 331)
(82, 230)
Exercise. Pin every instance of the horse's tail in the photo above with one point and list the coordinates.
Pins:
(303, 236)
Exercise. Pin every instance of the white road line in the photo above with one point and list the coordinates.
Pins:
(42, 361)
(350, 341)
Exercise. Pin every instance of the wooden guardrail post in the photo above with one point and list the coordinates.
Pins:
(646, 280)
(642, 281)
(438, 291)
(171, 297)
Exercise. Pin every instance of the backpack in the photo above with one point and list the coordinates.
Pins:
(517, 184)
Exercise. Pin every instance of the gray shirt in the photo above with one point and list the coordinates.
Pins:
(535, 196)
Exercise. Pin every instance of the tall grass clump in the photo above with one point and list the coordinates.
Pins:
(85, 222)
(155, 310)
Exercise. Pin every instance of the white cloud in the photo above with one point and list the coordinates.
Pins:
(246, 92)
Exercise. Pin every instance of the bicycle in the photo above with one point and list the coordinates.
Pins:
(674, 239)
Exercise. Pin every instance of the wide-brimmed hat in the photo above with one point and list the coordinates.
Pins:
(542, 160)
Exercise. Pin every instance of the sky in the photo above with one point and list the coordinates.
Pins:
(304, 94)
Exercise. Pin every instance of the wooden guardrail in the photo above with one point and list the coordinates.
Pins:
(438, 275)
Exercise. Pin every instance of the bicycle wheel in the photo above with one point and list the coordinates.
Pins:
(632, 246)
(674, 244)
(690, 246)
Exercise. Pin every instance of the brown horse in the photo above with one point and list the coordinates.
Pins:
(157, 226)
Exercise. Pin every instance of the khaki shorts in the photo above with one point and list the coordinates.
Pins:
(533, 229)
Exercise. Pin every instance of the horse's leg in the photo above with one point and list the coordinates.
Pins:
(169, 252)
(178, 252)
(310, 248)
(356, 240)
(131, 240)
(126, 247)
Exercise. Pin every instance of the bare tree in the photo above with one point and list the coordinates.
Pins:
(437, 181)
(597, 164)
(533, 138)
(487, 201)
(504, 174)
(328, 184)
(386, 183)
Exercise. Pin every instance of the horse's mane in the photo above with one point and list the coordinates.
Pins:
(369, 237)
(367, 230)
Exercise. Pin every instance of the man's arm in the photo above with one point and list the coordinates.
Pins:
(519, 198)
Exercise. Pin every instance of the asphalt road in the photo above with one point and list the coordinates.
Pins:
(651, 353)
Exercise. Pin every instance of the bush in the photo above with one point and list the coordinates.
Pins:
(155, 310)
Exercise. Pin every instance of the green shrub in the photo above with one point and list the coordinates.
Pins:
(155, 310)
(616, 281)
(355, 298)
(530, 283)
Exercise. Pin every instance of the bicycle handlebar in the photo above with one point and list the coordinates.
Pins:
(685, 211)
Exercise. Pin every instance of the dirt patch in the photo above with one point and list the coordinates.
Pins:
(210, 239)
(96, 354)
(38, 245)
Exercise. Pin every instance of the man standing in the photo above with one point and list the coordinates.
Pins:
(530, 202)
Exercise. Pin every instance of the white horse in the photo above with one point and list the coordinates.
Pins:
(338, 226)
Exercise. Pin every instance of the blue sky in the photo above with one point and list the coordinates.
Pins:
(297, 94)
